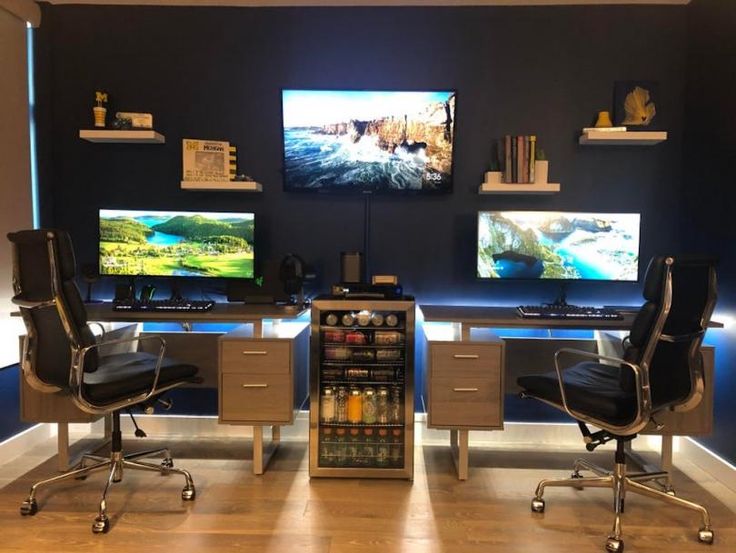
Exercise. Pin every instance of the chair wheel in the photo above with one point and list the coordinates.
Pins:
(705, 535)
(188, 493)
(101, 525)
(671, 492)
(537, 505)
(614, 546)
(574, 476)
(29, 507)
(167, 463)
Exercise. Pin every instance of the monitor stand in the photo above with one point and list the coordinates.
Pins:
(561, 299)
(176, 292)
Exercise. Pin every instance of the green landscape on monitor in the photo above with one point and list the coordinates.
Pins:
(176, 243)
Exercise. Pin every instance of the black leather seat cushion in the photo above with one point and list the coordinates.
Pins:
(590, 388)
(127, 374)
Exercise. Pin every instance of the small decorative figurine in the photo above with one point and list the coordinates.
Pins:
(100, 111)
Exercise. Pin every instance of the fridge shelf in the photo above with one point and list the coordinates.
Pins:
(382, 328)
(363, 424)
(361, 364)
(377, 383)
(363, 346)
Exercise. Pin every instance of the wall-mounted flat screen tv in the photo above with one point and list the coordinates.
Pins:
(368, 141)
(176, 243)
(558, 245)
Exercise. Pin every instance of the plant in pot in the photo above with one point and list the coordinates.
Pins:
(494, 174)
(541, 167)
(99, 110)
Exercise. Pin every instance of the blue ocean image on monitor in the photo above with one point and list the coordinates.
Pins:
(558, 245)
(176, 243)
(368, 140)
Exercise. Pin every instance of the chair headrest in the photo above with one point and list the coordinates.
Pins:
(65, 251)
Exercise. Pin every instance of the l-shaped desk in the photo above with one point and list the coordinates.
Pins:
(265, 365)
(468, 373)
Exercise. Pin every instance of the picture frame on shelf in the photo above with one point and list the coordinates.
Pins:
(635, 105)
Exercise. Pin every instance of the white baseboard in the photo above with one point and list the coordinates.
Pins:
(514, 436)
(21, 443)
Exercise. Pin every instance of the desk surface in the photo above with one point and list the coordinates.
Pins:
(221, 312)
(507, 317)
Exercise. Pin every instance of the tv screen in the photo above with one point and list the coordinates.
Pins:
(176, 243)
(558, 245)
(368, 141)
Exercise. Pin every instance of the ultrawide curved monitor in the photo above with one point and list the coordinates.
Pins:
(558, 245)
(176, 243)
(368, 140)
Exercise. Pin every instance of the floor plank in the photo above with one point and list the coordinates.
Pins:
(283, 510)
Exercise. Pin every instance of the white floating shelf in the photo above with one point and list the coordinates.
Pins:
(225, 186)
(517, 188)
(623, 138)
(140, 136)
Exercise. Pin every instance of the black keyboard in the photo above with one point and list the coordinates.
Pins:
(567, 312)
(163, 305)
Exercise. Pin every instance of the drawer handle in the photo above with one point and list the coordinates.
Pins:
(249, 352)
(255, 385)
(465, 389)
(466, 356)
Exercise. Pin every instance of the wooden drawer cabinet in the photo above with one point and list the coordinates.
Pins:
(465, 384)
(255, 357)
(265, 398)
(465, 360)
(457, 402)
(263, 379)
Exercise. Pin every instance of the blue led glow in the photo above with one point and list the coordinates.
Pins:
(32, 128)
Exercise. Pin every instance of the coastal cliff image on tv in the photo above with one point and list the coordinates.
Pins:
(558, 245)
(368, 141)
(176, 243)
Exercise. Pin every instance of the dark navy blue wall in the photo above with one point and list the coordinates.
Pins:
(217, 73)
(709, 194)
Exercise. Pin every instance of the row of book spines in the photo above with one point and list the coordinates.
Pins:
(518, 157)
(233, 162)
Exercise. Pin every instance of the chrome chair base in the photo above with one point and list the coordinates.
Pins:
(115, 465)
(621, 484)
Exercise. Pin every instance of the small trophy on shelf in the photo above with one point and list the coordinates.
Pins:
(99, 110)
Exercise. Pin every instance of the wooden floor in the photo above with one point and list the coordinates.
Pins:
(283, 511)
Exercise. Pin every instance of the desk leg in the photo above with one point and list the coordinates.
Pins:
(62, 441)
(262, 456)
(258, 328)
(459, 451)
(666, 461)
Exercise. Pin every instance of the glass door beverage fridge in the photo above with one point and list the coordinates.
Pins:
(361, 417)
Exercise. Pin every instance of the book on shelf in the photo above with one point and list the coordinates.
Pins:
(205, 160)
(232, 162)
(519, 154)
(508, 159)
(604, 129)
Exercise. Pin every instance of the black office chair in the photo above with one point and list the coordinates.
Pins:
(61, 356)
(662, 368)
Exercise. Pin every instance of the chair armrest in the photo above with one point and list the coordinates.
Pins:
(77, 376)
(641, 384)
(101, 327)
